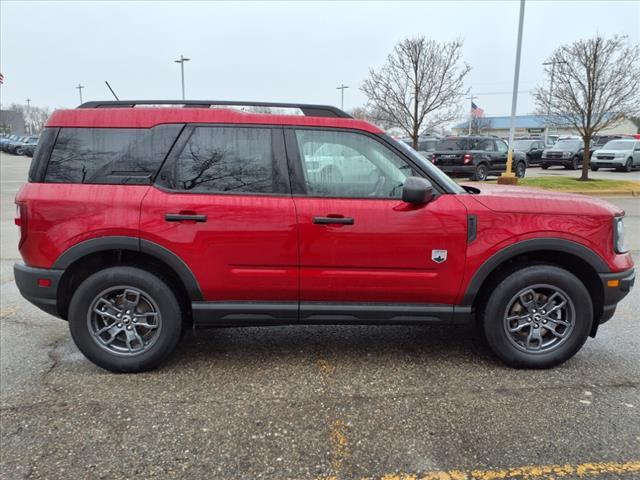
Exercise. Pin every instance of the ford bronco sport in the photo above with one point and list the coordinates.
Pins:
(138, 222)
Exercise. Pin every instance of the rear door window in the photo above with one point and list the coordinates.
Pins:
(241, 160)
(109, 155)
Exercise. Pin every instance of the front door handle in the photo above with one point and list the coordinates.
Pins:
(333, 220)
(185, 217)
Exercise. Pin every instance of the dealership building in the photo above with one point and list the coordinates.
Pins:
(534, 125)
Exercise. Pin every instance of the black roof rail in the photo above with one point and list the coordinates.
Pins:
(307, 110)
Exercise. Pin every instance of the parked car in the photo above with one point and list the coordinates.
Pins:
(139, 225)
(623, 155)
(476, 157)
(425, 144)
(19, 147)
(7, 140)
(566, 152)
(531, 147)
(29, 149)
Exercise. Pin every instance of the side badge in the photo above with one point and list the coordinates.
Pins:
(438, 256)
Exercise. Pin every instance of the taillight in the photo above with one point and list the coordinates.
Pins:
(433, 158)
(468, 158)
(21, 221)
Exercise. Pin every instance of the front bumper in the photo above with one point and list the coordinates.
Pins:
(39, 286)
(555, 161)
(616, 286)
(606, 163)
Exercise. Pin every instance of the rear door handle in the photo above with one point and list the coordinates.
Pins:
(333, 220)
(184, 217)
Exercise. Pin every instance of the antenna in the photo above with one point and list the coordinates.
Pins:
(111, 90)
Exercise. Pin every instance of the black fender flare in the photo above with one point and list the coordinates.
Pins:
(133, 244)
(529, 246)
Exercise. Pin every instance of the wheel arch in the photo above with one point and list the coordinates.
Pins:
(571, 256)
(83, 259)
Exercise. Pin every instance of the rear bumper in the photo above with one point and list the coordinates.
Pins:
(31, 281)
(466, 169)
(616, 286)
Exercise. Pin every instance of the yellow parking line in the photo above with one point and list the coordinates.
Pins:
(583, 470)
(339, 445)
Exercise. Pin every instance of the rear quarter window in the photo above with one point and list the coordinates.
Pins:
(109, 155)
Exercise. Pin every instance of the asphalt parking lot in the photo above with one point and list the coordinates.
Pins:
(392, 403)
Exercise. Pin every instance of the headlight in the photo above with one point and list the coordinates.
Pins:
(566, 154)
(618, 235)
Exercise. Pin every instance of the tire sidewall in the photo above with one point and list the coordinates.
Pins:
(161, 293)
(521, 169)
(510, 286)
(479, 172)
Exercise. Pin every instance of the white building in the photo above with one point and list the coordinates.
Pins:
(535, 125)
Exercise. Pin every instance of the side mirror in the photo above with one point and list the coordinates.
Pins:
(417, 190)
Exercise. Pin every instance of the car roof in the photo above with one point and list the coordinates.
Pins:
(149, 116)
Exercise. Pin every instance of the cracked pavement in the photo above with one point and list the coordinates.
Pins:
(303, 402)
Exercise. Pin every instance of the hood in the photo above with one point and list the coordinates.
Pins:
(514, 199)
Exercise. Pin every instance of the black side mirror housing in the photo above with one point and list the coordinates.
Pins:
(417, 190)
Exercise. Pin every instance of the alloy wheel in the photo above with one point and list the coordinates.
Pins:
(539, 318)
(124, 321)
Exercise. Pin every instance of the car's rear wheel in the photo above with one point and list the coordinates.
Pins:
(481, 173)
(538, 317)
(521, 169)
(574, 165)
(125, 319)
(19, 151)
(544, 166)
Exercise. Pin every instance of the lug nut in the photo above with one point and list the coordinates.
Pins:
(119, 315)
(119, 325)
(129, 327)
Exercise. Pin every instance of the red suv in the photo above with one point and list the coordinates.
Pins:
(140, 220)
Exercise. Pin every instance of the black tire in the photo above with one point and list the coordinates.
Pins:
(495, 314)
(628, 166)
(162, 296)
(544, 166)
(594, 169)
(521, 169)
(481, 173)
(574, 165)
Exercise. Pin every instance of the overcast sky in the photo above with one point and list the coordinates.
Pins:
(297, 52)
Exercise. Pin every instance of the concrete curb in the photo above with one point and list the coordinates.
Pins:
(601, 193)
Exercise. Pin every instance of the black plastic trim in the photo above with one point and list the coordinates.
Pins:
(45, 298)
(136, 245)
(526, 246)
(472, 228)
(223, 314)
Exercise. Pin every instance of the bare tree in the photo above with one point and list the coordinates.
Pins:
(596, 85)
(420, 86)
(34, 117)
(479, 125)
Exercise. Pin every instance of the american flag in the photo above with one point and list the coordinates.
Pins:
(476, 111)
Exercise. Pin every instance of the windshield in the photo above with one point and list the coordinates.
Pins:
(619, 145)
(453, 144)
(568, 144)
(522, 144)
(433, 171)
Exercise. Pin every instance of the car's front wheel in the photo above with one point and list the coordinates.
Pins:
(521, 170)
(594, 169)
(628, 166)
(538, 317)
(125, 319)
(544, 166)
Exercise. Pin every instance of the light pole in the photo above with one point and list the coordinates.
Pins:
(80, 87)
(342, 88)
(181, 62)
(28, 100)
(508, 178)
(553, 64)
